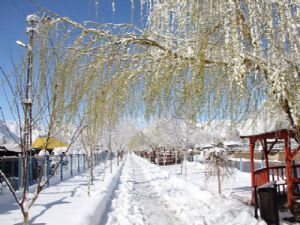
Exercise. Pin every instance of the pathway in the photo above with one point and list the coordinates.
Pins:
(146, 195)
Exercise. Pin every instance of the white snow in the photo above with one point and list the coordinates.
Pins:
(43, 152)
(237, 186)
(141, 193)
(66, 202)
(232, 143)
(32, 18)
(59, 150)
(148, 194)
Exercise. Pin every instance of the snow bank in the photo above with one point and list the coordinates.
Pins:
(67, 202)
(95, 208)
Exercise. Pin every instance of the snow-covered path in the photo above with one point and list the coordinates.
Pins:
(147, 195)
(144, 199)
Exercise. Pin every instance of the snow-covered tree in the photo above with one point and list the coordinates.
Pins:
(218, 164)
(139, 141)
(168, 133)
(121, 136)
(217, 58)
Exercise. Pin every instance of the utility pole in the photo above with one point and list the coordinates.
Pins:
(32, 21)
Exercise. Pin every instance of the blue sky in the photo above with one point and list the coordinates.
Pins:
(13, 24)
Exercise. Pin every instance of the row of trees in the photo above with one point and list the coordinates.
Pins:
(181, 134)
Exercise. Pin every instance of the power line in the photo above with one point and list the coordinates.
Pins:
(28, 7)
(18, 8)
(8, 6)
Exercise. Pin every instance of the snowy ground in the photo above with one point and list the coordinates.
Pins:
(67, 202)
(237, 186)
(140, 193)
(150, 195)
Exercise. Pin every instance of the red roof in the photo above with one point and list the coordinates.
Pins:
(279, 134)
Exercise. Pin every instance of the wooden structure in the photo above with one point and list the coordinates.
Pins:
(285, 177)
(161, 156)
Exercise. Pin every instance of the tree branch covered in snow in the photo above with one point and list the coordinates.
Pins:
(218, 58)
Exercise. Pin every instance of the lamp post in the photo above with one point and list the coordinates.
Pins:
(32, 21)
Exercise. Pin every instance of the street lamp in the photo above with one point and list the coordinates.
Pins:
(21, 44)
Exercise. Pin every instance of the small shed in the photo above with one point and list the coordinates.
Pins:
(286, 177)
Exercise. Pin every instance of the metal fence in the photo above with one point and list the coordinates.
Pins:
(44, 166)
(241, 164)
(244, 165)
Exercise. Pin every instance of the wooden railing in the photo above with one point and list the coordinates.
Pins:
(261, 177)
(276, 174)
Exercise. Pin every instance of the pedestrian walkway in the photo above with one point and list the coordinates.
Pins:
(146, 195)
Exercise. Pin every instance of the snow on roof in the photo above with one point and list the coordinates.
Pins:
(13, 147)
(59, 150)
(231, 143)
(78, 151)
(206, 146)
(43, 152)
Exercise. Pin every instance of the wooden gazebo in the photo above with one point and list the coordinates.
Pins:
(285, 177)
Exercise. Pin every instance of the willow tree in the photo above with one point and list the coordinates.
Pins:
(220, 59)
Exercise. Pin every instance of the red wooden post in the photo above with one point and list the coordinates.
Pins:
(266, 154)
(266, 158)
(252, 144)
(289, 173)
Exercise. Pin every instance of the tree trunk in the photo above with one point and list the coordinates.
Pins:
(90, 172)
(110, 162)
(185, 166)
(110, 153)
(219, 179)
(25, 218)
(118, 161)
(181, 167)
